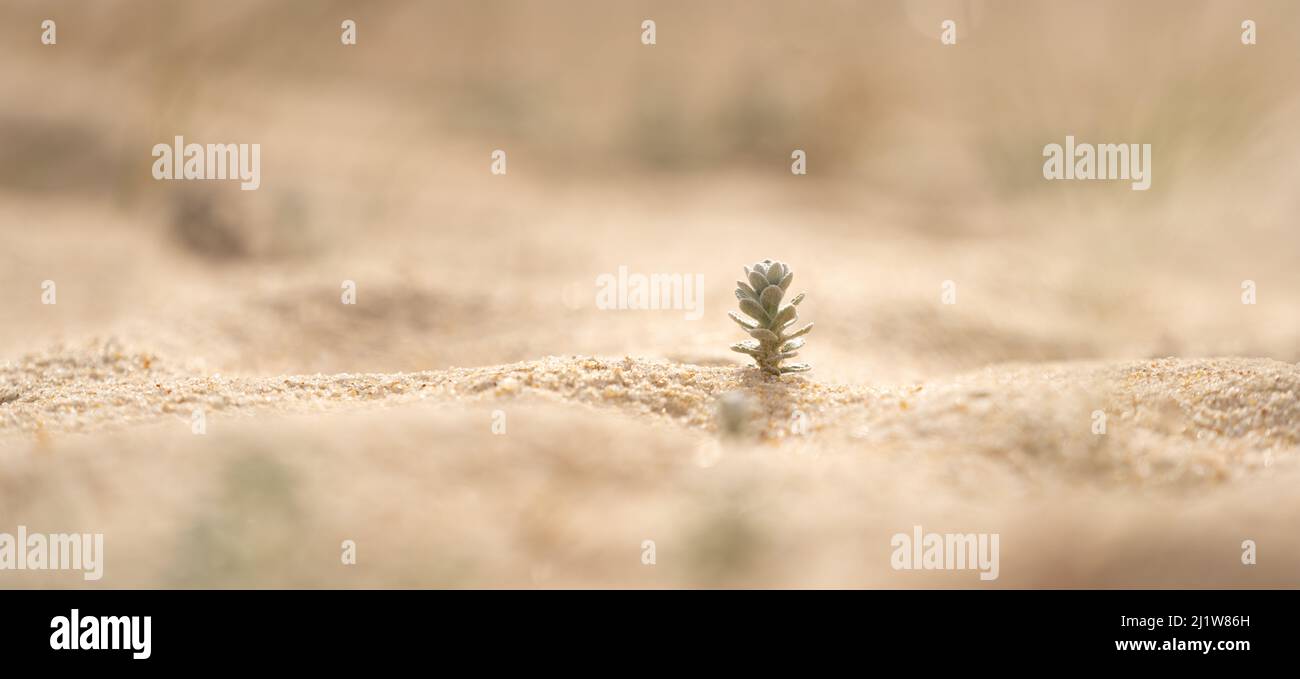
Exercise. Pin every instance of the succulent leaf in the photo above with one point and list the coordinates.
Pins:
(757, 280)
(771, 298)
(765, 335)
(744, 322)
(800, 332)
(744, 287)
(755, 311)
(797, 299)
(791, 345)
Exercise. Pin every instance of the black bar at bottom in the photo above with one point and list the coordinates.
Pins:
(805, 629)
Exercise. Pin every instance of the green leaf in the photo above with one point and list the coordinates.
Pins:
(771, 298)
(754, 311)
(744, 322)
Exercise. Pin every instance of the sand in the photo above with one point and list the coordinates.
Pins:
(554, 472)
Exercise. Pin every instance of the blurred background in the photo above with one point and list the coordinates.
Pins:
(924, 166)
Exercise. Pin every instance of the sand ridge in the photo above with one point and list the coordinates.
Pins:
(1166, 419)
(103, 385)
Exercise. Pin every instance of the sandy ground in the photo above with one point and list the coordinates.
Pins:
(590, 457)
(475, 421)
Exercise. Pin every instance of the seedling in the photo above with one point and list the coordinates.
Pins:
(760, 299)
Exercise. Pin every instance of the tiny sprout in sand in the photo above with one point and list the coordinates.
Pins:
(760, 299)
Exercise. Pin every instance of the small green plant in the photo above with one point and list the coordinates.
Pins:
(760, 298)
